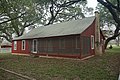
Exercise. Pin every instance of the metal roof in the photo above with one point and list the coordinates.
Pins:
(60, 29)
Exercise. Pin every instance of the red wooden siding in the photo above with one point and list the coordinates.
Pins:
(56, 48)
(19, 47)
(87, 33)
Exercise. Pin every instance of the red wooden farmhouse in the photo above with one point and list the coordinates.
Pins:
(74, 39)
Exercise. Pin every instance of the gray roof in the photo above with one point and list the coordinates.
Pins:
(5, 42)
(60, 29)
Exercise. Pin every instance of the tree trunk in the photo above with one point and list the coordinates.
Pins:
(118, 40)
(108, 40)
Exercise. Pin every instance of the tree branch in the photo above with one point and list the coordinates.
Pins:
(66, 4)
(115, 7)
(59, 6)
(23, 29)
(111, 4)
(112, 11)
(10, 40)
(118, 3)
(12, 19)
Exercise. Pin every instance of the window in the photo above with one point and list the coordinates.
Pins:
(77, 42)
(23, 44)
(62, 43)
(15, 45)
(92, 42)
(34, 46)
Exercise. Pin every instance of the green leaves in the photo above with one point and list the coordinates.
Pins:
(105, 16)
(16, 15)
(21, 14)
(55, 11)
(111, 15)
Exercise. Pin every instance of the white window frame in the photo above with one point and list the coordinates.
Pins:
(15, 45)
(23, 41)
(92, 42)
(36, 45)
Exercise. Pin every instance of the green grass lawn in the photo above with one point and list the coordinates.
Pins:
(8, 76)
(105, 67)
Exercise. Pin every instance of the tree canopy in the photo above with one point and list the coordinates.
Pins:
(17, 15)
(113, 7)
(105, 16)
(61, 10)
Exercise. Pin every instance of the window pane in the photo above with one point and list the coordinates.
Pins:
(34, 45)
(23, 44)
(92, 42)
(15, 45)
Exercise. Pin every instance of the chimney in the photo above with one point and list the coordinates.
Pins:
(98, 47)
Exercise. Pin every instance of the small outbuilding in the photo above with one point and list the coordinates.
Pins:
(74, 39)
(5, 47)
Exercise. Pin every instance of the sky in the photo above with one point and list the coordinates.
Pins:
(92, 3)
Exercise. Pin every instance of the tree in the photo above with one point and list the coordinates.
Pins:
(114, 9)
(105, 16)
(106, 21)
(15, 16)
(20, 14)
(54, 11)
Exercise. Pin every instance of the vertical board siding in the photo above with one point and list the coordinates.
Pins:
(19, 47)
(87, 33)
